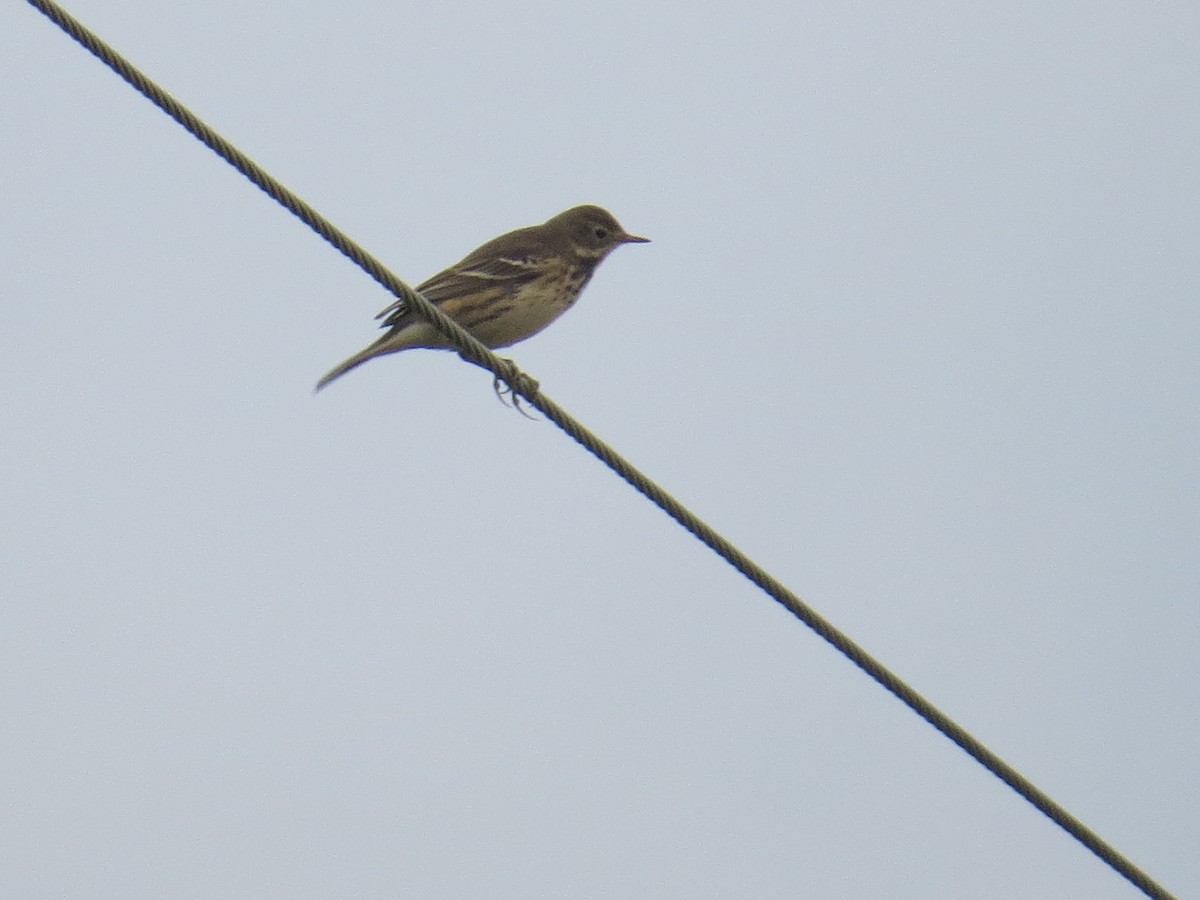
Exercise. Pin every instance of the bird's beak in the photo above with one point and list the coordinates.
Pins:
(634, 239)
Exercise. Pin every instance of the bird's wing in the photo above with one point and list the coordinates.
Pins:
(506, 264)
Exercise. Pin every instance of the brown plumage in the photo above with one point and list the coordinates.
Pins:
(506, 291)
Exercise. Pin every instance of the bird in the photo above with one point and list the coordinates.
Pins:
(505, 291)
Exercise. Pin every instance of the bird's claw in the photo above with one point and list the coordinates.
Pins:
(513, 384)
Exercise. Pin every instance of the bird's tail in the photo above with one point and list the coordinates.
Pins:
(353, 362)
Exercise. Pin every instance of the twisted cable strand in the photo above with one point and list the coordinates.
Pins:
(521, 384)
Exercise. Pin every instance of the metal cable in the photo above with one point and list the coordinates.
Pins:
(526, 387)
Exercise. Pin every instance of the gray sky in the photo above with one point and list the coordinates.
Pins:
(918, 329)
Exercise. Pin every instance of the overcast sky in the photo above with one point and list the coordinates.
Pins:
(918, 329)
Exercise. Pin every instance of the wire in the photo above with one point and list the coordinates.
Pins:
(520, 383)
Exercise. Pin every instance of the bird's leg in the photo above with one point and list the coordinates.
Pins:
(503, 384)
(504, 387)
(504, 391)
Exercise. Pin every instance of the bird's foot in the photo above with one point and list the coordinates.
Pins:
(514, 383)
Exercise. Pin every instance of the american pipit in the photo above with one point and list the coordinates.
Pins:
(509, 289)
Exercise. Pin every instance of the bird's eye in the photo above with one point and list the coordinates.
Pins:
(601, 233)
